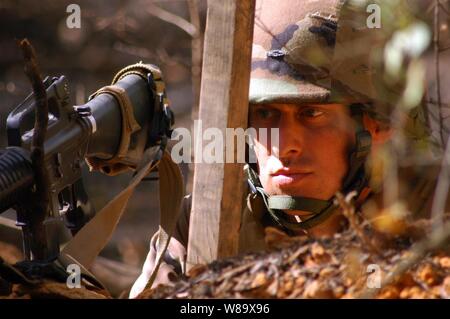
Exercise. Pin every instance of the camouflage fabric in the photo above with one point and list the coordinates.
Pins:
(319, 51)
(292, 56)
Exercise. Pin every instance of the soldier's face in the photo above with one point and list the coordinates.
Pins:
(312, 157)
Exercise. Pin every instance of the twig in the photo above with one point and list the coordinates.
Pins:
(145, 53)
(442, 188)
(437, 62)
(435, 117)
(433, 102)
(41, 120)
(396, 150)
(169, 17)
(443, 8)
(37, 149)
(437, 240)
(433, 6)
(348, 210)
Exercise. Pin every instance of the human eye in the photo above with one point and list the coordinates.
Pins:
(265, 113)
(312, 113)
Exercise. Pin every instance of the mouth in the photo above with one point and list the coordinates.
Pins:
(290, 172)
(286, 177)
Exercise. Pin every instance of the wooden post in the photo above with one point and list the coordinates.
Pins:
(219, 188)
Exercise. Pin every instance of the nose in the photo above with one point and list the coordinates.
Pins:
(291, 138)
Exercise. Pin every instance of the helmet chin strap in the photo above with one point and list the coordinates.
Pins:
(355, 180)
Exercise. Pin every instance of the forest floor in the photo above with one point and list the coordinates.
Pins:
(357, 263)
(344, 266)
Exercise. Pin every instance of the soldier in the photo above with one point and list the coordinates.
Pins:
(328, 126)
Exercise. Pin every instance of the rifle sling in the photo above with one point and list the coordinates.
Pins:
(92, 238)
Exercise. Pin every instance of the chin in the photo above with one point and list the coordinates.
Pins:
(291, 191)
(309, 191)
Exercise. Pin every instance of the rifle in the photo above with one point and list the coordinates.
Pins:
(111, 132)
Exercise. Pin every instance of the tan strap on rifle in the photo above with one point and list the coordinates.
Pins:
(119, 162)
(90, 240)
(170, 199)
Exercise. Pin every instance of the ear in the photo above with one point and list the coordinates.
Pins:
(379, 131)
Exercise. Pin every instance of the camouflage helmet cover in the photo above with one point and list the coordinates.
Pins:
(299, 56)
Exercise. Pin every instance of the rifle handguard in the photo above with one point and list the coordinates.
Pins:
(121, 161)
(125, 157)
